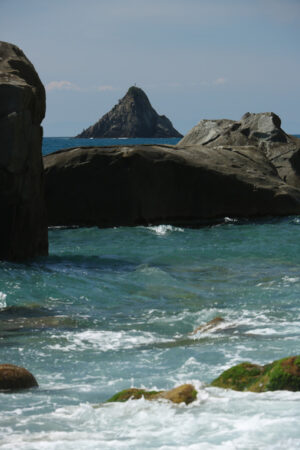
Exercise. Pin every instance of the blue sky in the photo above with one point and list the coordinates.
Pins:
(195, 59)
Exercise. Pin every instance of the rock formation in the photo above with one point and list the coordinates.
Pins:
(263, 131)
(132, 117)
(283, 374)
(23, 226)
(143, 185)
(14, 378)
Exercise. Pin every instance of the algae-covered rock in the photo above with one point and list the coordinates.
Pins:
(14, 378)
(134, 394)
(185, 393)
(283, 374)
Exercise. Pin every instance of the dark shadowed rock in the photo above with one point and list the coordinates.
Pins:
(14, 378)
(23, 225)
(160, 184)
(132, 117)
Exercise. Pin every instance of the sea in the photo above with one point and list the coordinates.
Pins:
(116, 308)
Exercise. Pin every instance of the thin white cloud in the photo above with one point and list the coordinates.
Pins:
(219, 81)
(62, 85)
(105, 87)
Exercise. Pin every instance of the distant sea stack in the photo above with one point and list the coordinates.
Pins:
(132, 117)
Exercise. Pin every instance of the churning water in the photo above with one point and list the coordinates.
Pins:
(114, 308)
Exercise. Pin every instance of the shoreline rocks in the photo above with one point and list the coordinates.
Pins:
(23, 227)
(14, 378)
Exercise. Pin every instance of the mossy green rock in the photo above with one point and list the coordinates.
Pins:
(185, 393)
(283, 374)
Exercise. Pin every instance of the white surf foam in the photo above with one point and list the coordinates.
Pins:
(162, 230)
(2, 300)
(103, 340)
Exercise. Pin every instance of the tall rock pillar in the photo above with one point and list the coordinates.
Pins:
(23, 221)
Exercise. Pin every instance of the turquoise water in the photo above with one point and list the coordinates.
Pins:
(114, 308)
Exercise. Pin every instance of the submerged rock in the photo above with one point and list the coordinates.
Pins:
(132, 117)
(283, 374)
(23, 225)
(181, 394)
(209, 325)
(14, 378)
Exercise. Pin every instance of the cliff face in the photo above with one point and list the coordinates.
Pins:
(133, 117)
(23, 225)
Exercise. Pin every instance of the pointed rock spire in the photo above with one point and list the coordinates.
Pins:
(132, 117)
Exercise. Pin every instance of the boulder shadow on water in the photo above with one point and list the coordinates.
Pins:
(25, 318)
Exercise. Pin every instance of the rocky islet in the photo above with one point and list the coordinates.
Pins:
(132, 117)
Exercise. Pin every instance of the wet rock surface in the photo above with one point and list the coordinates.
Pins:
(209, 326)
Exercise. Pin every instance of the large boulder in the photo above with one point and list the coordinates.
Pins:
(283, 374)
(142, 185)
(15, 378)
(23, 226)
(132, 117)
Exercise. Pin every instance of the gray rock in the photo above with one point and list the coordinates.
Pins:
(132, 117)
(253, 129)
(261, 130)
(163, 184)
(23, 226)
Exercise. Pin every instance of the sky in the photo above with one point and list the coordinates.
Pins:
(195, 59)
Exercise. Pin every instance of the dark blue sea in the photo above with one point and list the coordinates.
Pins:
(114, 308)
(53, 144)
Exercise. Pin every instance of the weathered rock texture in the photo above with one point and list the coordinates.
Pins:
(283, 374)
(186, 393)
(23, 225)
(262, 131)
(14, 378)
(132, 117)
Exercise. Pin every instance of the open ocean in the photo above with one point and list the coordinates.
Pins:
(114, 308)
